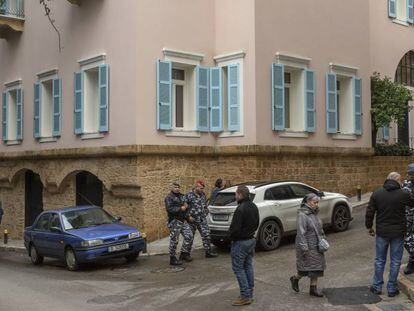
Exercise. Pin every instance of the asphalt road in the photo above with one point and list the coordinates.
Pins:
(204, 284)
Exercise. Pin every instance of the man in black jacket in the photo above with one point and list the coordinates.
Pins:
(242, 229)
(388, 204)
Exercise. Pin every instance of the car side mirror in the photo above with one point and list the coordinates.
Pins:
(320, 194)
(55, 230)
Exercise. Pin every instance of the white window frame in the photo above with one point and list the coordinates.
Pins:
(11, 87)
(45, 77)
(222, 61)
(187, 61)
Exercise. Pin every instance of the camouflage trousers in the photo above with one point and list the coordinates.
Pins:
(202, 227)
(178, 227)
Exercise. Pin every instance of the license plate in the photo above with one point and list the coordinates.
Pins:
(220, 217)
(116, 248)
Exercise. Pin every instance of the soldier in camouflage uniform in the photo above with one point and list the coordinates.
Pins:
(196, 200)
(177, 211)
(408, 185)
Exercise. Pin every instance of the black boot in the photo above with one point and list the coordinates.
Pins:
(294, 281)
(186, 257)
(314, 291)
(410, 267)
(174, 261)
(211, 254)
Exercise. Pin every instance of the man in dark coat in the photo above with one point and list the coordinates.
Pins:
(242, 230)
(408, 185)
(388, 204)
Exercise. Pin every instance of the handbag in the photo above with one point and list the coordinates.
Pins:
(323, 244)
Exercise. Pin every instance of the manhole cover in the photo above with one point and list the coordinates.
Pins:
(169, 270)
(101, 300)
(351, 296)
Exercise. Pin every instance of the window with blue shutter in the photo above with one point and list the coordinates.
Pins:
(278, 97)
(310, 120)
(386, 132)
(410, 11)
(78, 113)
(331, 104)
(216, 119)
(19, 114)
(202, 98)
(358, 106)
(57, 107)
(164, 95)
(392, 8)
(5, 116)
(37, 110)
(103, 98)
(233, 97)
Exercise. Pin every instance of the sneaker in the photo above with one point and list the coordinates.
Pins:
(211, 255)
(294, 282)
(186, 257)
(375, 291)
(393, 294)
(242, 301)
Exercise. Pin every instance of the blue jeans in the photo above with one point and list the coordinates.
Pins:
(242, 253)
(396, 252)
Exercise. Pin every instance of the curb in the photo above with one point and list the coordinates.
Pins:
(406, 286)
(15, 249)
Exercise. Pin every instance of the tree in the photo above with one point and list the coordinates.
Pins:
(389, 103)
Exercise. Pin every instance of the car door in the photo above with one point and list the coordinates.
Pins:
(54, 243)
(300, 191)
(284, 205)
(40, 234)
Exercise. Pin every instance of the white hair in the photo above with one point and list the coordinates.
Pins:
(394, 176)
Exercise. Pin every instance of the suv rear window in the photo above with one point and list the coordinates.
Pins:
(227, 199)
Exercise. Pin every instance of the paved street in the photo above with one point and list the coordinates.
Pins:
(150, 285)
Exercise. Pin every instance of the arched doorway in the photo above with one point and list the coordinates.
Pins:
(405, 75)
(89, 189)
(33, 197)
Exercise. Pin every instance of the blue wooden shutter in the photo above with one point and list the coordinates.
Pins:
(103, 98)
(410, 11)
(233, 97)
(216, 116)
(386, 132)
(358, 106)
(392, 8)
(5, 116)
(202, 99)
(278, 97)
(164, 95)
(331, 104)
(57, 107)
(19, 114)
(310, 120)
(78, 116)
(37, 110)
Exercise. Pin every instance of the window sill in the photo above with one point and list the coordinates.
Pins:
(230, 134)
(13, 142)
(340, 136)
(294, 134)
(47, 140)
(182, 133)
(92, 136)
(400, 22)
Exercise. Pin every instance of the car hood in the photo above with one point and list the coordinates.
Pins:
(103, 231)
(334, 195)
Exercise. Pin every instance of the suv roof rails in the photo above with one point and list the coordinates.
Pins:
(258, 184)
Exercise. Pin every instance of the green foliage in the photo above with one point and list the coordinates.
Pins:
(393, 150)
(389, 101)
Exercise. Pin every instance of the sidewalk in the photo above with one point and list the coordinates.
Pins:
(160, 247)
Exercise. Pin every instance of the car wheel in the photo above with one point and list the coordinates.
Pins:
(340, 218)
(270, 235)
(223, 244)
(71, 262)
(34, 255)
(132, 257)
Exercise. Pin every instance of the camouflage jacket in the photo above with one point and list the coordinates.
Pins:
(197, 205)
(409, 236)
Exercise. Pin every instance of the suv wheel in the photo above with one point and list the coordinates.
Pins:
(34, 255)
(270, 235)
(71, 262)
(340, 218)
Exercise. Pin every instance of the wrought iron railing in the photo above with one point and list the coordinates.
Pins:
(12, 8)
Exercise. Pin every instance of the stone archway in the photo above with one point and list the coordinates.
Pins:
(89, 189)
(33, 197)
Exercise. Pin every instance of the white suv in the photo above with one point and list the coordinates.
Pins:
(278, 204)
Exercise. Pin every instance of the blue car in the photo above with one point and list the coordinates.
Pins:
(81, 234)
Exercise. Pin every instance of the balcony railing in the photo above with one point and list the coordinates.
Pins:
(12, 8)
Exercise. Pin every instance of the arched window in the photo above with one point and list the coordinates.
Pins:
(405, 70)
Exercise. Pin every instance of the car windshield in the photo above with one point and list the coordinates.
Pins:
(86, 218)
(227, 199)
